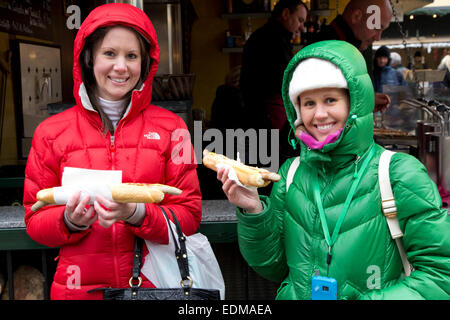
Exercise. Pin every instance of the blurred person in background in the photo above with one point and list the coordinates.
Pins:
(445, 65)
(266, 55)
(419, 61)
(383, 72)
(353, 26)
(396, 63)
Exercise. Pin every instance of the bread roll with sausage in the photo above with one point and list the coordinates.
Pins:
(124, 193)
(247, 175)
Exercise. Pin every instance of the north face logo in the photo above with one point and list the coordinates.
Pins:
(152, 136)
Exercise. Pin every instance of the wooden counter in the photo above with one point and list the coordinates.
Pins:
(218, 224)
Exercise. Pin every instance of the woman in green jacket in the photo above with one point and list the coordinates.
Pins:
(330, 222)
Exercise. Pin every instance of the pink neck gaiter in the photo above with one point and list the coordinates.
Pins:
(311, 142)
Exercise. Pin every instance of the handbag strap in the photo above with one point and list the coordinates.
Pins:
(137, 262)
(183, 260)
(180, 250)
(180, 254)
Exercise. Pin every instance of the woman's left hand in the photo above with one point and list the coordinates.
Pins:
(110, 211)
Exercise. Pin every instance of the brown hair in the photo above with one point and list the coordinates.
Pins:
(86, 61)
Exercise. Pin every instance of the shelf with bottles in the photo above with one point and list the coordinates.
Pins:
(259, 8)
(237, 34)
(235, 43)
(295, 47)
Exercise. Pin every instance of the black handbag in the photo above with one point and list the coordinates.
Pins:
(184, 292)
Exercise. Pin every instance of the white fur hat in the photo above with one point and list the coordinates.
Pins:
(314, 73)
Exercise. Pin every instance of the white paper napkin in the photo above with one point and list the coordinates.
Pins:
(90, 182)
(232, 174)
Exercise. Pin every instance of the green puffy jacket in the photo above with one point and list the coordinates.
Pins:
(286, 243)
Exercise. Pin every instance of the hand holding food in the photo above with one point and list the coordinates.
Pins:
(245, 198)
(247, 175)
(122, 193)
(109, 212)
(76, 212)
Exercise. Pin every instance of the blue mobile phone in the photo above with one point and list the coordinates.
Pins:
(324, 288)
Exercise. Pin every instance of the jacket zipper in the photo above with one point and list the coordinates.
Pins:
(116, 264)
(112, 149)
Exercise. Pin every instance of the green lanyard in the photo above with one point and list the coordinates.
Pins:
(331, 240)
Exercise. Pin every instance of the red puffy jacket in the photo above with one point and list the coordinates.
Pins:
(142, 149)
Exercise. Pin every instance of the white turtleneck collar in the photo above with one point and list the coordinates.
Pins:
(86, 103)
(113, 109)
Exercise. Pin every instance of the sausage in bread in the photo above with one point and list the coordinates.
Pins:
(124, 193)
(247, 175)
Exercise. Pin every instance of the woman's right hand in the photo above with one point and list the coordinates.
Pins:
(76, 211)
(239, 196)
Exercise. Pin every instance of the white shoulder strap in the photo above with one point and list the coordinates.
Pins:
(292, 169)
(387, 197)
(389, 208)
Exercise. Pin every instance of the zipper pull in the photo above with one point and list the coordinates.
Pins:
(355, 174)
(351, 120)
(112, 146)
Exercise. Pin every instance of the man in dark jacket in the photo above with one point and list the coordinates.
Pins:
(362, 23)
(266, 55)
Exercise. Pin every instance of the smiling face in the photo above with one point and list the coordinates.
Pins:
(324, 111)
(117, 63)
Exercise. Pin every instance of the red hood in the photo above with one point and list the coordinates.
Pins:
(113, 14)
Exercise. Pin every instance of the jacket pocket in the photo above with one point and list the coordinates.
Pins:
(286, 291)
(349, 292)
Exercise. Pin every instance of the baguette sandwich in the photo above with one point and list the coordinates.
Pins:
(247, 175)
(124, 193)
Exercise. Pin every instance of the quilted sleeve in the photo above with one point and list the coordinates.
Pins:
(181, 172)
(426, 233)
(46, 226)
(261, 235)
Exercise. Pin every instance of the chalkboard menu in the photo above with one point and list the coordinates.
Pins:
(26, 17)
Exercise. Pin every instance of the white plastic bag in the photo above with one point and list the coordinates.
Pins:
(161, 268)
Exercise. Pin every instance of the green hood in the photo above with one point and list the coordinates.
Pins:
(357, 135)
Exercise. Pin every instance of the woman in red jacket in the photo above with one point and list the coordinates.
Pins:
(113, 126)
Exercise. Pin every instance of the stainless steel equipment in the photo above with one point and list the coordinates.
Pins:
(439, 158)
(433, 128)
(433, 139)
(423, 139)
